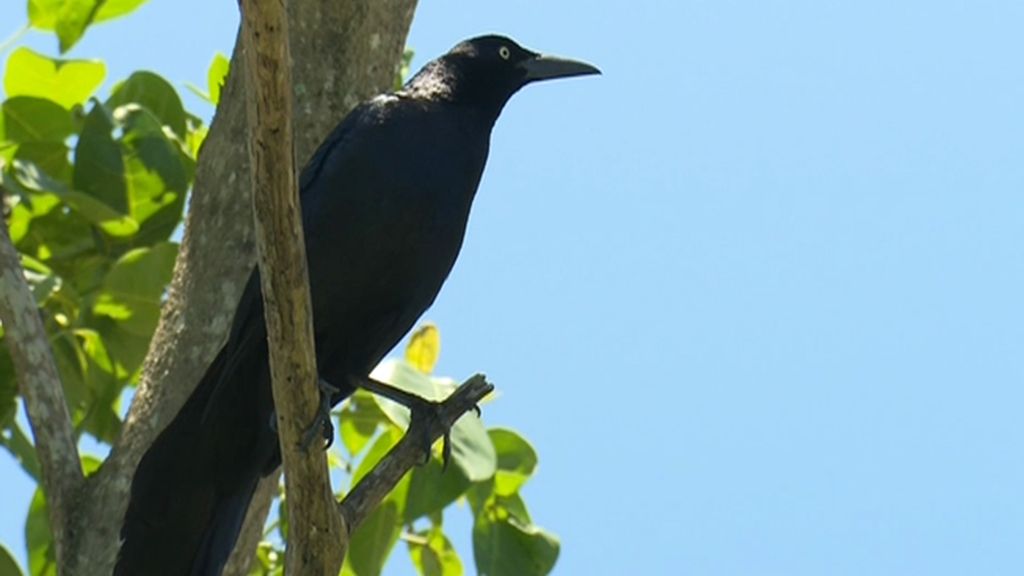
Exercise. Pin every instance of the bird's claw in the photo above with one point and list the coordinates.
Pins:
(322, 421)
(420, 408)
(431, 411)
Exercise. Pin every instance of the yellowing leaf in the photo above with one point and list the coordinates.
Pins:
(217, 75)
(424, 348)
(66, 82)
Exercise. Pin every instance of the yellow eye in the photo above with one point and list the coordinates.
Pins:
(503, 52)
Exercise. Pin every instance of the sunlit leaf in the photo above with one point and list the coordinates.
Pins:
(72, 20)
(116, 8)
(103, 385)
(436, 556)
(66, 82)
(216, 76)
(155, 175)
(358, 421)
(516, 460)
(132, 290)
(43, 13)
(40, 278)
(424, 348)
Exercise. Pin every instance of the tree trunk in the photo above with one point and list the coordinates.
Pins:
(343, 52)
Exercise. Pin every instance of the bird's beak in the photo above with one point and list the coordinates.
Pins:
(543, 67)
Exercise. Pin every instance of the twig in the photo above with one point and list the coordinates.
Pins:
(40, 387)
(14, 37)
(411, 450)
(315, 525)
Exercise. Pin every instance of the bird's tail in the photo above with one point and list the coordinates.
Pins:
(183, 515)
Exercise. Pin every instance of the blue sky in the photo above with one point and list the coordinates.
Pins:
(755, 294)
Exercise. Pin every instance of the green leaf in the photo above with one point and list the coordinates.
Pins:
(66, 82)
(153, 93)
(99, 167)
(70, 362)
(40, 278)
(505, 546)
(38, 539)
(372, 542)
(472, 450)
(103, 386)
(126, 347)
(32, 119)
(96, 211)
(436, 556)
(216, 76)
(516, 460)
(72, 20)
(431, 489)
(132, 290)
(8, 389)
(43, 14)
(111, 9)
(380, 447)
(20, 446)
(8, 567)
(41, 555)
(358, 421)
(156, 175)
(50, 157)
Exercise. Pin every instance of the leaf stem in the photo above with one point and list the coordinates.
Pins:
(13, 38)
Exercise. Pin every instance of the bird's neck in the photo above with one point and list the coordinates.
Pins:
(439, 81)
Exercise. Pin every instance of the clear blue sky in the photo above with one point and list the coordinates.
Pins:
(756, 294)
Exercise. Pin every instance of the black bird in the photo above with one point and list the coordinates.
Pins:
(385, 200)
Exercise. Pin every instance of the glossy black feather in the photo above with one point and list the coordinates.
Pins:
(385, 201)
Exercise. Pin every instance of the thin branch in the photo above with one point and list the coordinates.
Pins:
(40, 387)
(412, 450)
(315, 525)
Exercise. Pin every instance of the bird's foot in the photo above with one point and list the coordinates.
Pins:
(322, 422)
(426, 411)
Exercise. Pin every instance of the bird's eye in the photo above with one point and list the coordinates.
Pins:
(503, 52)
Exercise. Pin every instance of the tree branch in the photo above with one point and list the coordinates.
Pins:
(40, 387)
(413, 449)
(315, 526)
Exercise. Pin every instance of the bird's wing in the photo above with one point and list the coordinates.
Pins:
(337, 136)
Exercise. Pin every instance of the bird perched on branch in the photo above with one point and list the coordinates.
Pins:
(385, 200)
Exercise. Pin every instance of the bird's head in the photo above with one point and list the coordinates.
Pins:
(484, 72)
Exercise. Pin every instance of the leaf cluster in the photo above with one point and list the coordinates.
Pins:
(488, 468)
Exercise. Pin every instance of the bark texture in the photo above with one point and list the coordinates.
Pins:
(315, 524)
